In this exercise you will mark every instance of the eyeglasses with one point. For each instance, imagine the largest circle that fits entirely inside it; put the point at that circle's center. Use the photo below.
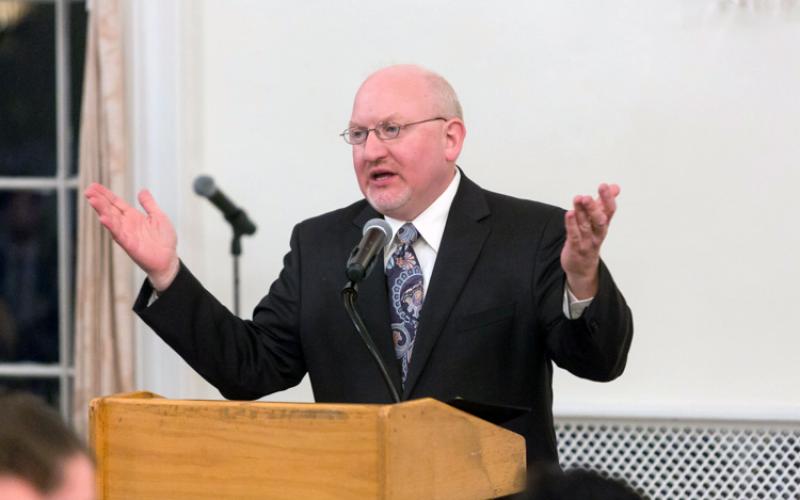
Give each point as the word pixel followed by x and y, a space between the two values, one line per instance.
pixel 383 130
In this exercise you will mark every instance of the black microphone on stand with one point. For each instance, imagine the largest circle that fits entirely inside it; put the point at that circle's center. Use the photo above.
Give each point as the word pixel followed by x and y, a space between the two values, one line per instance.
pixel 377 233
pixel 204 186
pixel 236 217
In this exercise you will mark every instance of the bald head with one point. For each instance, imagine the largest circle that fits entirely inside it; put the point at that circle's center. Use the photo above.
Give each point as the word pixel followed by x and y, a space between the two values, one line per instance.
pixel 438 93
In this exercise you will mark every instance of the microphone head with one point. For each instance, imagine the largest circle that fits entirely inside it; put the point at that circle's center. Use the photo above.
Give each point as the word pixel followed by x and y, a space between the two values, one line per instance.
pixel 383 226
pixel 204 186
pixel 362 258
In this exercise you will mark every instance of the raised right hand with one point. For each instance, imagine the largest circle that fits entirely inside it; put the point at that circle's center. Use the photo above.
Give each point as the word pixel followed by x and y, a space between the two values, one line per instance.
pixel 148 238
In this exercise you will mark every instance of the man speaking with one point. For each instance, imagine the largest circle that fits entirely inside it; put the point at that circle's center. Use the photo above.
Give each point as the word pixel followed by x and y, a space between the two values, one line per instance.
pixel 480 292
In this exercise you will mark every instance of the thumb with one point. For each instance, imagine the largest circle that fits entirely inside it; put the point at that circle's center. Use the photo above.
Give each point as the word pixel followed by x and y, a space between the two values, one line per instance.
pixel 147 202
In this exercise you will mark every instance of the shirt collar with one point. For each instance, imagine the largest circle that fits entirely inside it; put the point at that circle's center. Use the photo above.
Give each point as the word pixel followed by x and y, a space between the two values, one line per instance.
pixel 430 223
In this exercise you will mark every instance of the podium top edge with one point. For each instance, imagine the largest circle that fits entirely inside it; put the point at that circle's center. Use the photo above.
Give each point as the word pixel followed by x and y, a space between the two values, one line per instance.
pixel 146 397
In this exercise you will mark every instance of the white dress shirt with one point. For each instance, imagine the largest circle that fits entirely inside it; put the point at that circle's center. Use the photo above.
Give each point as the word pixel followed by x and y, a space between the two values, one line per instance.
pixel 430 226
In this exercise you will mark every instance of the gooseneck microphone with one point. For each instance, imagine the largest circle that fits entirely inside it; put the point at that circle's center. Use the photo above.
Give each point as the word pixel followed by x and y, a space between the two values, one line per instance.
pixel 204 186
pixel 377 233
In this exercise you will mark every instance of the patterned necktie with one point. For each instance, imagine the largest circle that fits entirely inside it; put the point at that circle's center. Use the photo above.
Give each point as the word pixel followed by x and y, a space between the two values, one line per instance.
pixel 406 292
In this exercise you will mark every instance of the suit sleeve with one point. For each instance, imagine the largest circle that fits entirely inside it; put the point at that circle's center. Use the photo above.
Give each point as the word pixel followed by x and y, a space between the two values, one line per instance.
pixel 594 346
pixel 244 359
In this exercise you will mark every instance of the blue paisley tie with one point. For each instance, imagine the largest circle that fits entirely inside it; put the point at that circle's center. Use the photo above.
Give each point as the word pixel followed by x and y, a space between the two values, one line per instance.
pixel 406 293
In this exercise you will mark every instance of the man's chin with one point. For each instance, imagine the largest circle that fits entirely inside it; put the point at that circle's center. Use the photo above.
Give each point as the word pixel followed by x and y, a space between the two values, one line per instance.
pixel 391 206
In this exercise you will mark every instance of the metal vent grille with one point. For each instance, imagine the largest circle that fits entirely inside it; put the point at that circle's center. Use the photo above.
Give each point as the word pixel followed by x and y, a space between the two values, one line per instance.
pixel 669 460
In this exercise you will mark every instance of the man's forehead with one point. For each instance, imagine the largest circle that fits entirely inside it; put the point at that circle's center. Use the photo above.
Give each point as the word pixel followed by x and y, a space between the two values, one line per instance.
pixel 391 117
pixel 391 99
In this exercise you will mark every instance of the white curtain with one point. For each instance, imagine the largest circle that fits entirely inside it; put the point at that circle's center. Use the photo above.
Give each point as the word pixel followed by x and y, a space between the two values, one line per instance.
pixel 104 335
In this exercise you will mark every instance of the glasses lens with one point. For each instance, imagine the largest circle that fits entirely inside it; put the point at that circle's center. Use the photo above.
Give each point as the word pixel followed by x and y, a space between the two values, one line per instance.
pixel 388 130
pixel 355 135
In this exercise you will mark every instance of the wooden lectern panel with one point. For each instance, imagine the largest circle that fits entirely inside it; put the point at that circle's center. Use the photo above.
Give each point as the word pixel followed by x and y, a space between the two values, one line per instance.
pixel 435 451
pixel 152 448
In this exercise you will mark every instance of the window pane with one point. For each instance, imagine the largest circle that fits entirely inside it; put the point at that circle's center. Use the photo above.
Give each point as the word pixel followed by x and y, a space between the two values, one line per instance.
pixel 45 388
pixel 28 276
pixel 77 48
pixel 27 89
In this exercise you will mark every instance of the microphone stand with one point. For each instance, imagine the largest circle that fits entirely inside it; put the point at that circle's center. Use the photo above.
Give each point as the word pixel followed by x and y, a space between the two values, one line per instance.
pixel 236 252
pixel 349 296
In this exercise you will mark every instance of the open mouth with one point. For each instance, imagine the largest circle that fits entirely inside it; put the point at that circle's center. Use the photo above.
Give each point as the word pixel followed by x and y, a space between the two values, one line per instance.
pixel 380 175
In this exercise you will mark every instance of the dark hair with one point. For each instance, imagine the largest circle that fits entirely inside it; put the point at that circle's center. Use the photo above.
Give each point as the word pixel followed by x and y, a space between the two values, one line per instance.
pixel 34 441
pixel 553 484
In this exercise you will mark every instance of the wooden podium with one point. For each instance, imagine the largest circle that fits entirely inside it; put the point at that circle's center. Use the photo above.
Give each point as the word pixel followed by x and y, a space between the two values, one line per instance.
pixel 152 448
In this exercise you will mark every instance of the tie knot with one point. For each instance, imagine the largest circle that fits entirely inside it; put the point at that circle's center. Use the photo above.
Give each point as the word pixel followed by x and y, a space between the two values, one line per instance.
pixel 407 234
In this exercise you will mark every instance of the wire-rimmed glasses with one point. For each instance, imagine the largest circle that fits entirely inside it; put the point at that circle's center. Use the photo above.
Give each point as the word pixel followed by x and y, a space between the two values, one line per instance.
pixel 383 130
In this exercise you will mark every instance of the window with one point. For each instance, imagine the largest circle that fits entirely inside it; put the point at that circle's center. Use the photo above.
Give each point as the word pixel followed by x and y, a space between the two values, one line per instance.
pixel 42 47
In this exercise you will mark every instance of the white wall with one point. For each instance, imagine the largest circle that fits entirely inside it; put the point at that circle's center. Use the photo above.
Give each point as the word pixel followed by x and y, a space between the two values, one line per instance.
pixel 691 106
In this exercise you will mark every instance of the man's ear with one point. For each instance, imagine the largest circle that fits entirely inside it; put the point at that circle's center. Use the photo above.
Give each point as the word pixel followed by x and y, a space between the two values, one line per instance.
pixel 455 132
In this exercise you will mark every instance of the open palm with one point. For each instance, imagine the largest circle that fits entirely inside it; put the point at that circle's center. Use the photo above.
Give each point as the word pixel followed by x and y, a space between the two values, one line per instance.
pixel 587 227
pixel 148 238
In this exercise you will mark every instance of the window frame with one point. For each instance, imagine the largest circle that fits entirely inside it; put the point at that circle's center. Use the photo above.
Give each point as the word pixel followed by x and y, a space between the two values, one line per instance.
pixel 65 185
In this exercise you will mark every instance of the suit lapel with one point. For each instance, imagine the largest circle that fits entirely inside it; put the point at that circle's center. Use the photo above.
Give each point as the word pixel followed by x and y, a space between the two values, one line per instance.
pixel 463 238
pixel 373 305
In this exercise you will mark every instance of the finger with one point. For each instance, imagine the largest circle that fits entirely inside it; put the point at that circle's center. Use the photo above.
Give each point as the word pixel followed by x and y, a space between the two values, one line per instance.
pixel 581 204
pixel 95 200
pixel 592 220
pixel 573 231
pixel 99 191
pixel 91 189
pixel 93 194
pixel 598 220
pixel 101 205
pixel 147 202
pixel 106 194
pixel 109 216
pixel 110 223
pixel 608 195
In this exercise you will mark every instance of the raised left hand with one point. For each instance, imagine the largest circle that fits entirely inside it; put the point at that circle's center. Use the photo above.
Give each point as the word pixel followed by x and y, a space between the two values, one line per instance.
pixel 587 226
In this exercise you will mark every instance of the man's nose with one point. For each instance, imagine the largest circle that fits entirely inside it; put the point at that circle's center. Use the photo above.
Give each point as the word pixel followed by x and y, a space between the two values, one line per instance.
pixel 374 148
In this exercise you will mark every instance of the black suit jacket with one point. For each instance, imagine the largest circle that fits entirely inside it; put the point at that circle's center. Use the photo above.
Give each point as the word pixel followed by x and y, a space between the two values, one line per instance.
pixel 490 328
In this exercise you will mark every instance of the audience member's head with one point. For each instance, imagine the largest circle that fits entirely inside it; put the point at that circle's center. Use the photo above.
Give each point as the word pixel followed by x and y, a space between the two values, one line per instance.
pixel 576 484
pixel 40 457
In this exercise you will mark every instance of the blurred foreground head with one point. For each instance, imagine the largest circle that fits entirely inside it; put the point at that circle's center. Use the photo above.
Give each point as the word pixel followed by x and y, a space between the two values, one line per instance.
pixel 577 484
pixel 40 457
